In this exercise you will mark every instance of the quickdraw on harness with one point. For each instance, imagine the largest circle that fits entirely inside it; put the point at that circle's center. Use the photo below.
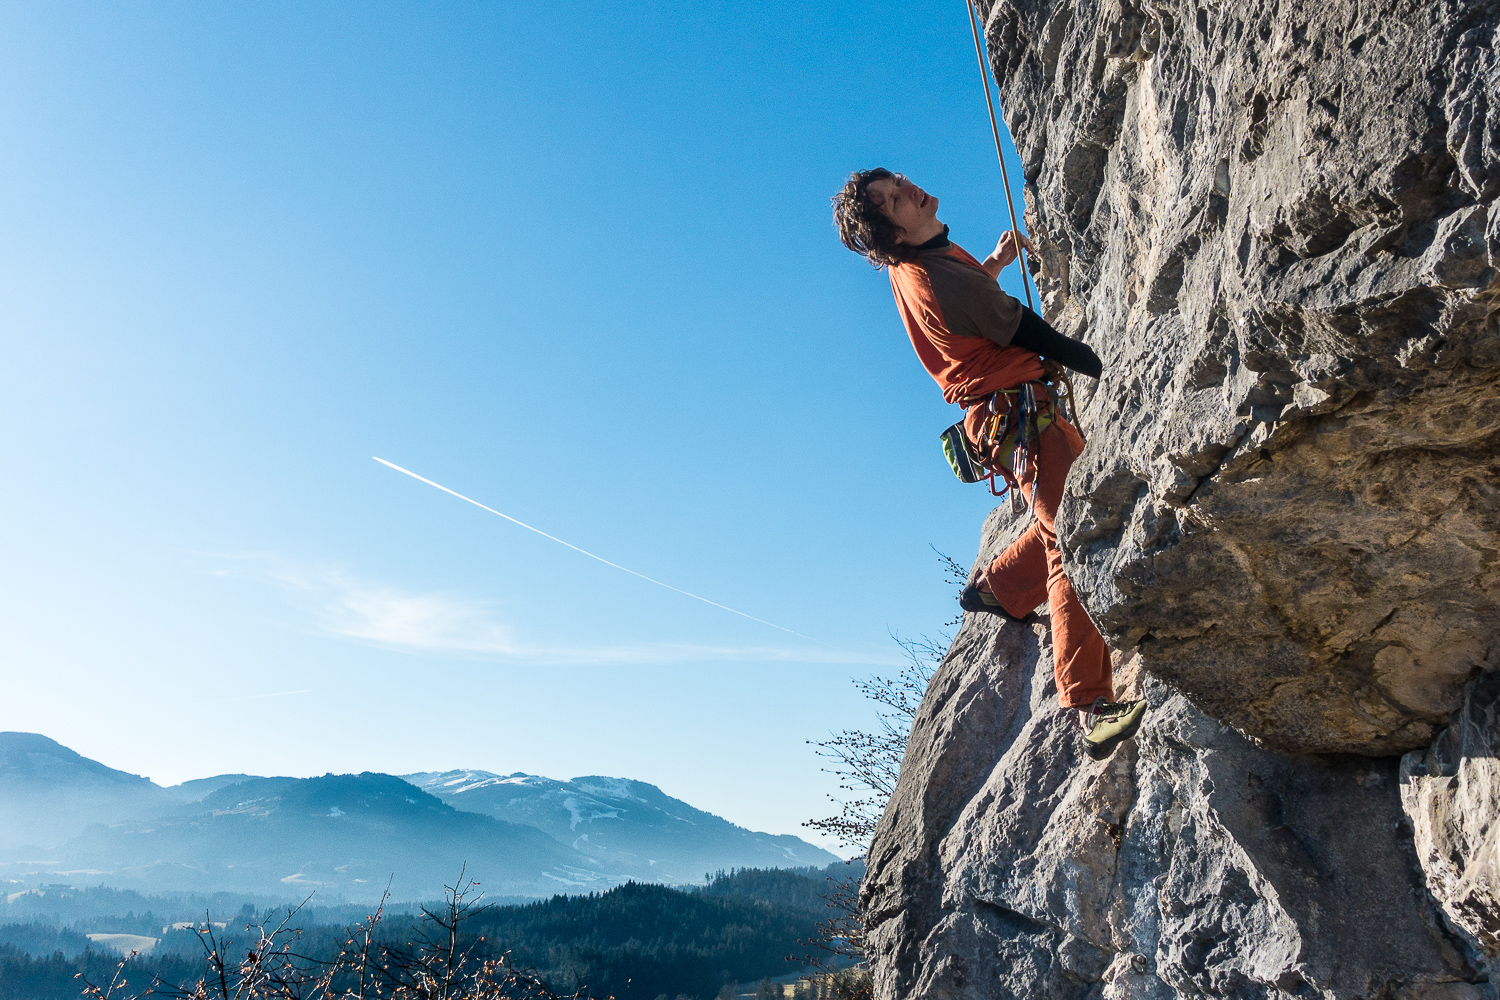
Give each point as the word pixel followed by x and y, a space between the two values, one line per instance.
pixel 1008 435
pixel 1060 389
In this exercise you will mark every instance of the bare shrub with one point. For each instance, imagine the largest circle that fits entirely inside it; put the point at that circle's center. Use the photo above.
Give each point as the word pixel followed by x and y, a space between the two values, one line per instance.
pixel 438 964
pixel 867 764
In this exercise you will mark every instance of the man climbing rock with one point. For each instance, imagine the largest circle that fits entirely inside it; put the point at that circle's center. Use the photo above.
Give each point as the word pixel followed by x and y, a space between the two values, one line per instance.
pixel 986 351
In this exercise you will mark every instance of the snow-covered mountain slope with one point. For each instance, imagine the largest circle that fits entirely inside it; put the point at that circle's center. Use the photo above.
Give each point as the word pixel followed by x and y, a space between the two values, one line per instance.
pixel 344 836
pixel 67 819
pixel 627 826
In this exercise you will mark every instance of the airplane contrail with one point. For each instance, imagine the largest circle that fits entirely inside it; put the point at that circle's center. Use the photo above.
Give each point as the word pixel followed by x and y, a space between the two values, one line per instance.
pixel 605 561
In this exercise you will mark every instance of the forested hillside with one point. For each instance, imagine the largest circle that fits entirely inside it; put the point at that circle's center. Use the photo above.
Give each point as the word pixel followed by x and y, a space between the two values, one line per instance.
pixel 796 887
pixel 634 942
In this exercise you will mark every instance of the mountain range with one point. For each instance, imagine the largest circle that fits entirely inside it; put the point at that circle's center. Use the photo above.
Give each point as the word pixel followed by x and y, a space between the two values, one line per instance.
pixel 625 826
pixel 66 818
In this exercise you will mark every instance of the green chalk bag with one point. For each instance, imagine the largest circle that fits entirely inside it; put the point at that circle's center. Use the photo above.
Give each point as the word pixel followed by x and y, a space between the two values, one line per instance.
pixel 960 455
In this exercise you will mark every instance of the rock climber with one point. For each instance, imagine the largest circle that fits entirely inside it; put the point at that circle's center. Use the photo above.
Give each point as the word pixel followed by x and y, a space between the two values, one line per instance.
pixel 986 351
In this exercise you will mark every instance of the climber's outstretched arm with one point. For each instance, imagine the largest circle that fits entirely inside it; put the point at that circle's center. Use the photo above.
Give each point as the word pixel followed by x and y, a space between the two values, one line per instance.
pixel 1036 334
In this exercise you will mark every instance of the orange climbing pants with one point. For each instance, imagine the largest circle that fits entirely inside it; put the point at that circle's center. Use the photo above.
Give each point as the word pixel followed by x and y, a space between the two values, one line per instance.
pixel 1031 571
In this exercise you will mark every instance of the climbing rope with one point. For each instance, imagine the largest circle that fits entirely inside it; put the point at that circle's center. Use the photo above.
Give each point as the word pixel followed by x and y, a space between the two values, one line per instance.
pixel 1057 377
pixel 984 79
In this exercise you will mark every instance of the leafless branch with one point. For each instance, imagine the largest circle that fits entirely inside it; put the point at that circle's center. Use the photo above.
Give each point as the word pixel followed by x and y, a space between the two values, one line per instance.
pixel 440 963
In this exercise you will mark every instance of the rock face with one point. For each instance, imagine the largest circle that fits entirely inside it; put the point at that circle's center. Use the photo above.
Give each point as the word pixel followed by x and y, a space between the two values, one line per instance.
pixel 1192 863
pixel 1276 225
pixel 1451 792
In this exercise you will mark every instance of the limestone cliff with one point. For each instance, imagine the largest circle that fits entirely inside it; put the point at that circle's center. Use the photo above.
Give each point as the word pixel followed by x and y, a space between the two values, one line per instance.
pixel 1276 224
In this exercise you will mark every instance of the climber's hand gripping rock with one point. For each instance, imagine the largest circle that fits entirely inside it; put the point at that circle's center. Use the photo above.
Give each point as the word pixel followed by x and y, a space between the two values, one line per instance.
pixel 1005 252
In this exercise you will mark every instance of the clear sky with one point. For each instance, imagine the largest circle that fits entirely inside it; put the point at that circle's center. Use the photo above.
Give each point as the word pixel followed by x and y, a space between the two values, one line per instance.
pixel 574 262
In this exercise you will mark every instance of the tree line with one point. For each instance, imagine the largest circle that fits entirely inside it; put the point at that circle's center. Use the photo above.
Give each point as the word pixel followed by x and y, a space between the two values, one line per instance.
pixel 633 942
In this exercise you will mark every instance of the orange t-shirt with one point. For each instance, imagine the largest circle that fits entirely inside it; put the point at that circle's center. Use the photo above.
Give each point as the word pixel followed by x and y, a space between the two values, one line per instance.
pixel 961 323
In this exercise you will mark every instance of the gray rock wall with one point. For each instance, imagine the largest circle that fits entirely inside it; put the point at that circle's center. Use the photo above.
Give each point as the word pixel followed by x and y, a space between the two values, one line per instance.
pixel 1192 863
pixel 1451 793
pixel 1276 224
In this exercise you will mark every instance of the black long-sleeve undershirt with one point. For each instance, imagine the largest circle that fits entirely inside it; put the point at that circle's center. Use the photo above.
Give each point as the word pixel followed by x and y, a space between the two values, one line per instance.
pixel 1036 334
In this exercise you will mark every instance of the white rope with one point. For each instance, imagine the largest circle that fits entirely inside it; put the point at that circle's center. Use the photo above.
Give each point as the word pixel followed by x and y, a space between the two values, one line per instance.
pixel 984 79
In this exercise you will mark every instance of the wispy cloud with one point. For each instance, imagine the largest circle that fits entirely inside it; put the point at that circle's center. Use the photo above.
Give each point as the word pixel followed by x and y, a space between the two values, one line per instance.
pixel 340 604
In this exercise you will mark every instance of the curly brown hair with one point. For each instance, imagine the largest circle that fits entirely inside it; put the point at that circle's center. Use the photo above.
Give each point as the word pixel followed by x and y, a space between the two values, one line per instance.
pixel 862 226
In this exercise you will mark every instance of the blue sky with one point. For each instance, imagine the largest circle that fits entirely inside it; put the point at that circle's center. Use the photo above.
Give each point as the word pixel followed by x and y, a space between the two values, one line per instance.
pixel 579 268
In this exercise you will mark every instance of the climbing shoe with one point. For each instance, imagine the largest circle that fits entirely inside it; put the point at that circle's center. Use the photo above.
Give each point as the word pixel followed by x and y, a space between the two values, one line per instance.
pixel 974 599
pixel 1109 724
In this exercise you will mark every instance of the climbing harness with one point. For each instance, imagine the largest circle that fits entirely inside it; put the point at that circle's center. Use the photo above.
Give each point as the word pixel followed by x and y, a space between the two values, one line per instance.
pixel 984 79
pixel 1008 435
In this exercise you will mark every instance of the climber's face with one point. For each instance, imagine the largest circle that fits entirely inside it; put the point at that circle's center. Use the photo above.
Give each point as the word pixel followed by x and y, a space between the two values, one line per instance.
pixel 905 204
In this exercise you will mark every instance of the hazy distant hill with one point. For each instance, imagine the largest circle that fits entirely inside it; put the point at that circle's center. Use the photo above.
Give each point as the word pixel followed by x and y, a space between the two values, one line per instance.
pixel 68 820
pixel 48 793
pixel 628 826
pixel 344 835
pixel 198 789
